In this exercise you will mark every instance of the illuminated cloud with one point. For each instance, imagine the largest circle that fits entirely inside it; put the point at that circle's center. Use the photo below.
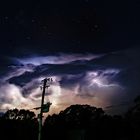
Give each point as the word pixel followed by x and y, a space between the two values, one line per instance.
pixel 99 80
pixel 11 97
pixel 56 59
pixel 16 71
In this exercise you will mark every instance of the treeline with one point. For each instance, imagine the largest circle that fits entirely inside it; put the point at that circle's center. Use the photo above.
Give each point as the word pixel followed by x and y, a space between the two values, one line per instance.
pixel 77 122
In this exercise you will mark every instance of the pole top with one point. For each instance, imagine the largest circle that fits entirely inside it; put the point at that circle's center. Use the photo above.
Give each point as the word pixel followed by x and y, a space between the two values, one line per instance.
pixel 49 79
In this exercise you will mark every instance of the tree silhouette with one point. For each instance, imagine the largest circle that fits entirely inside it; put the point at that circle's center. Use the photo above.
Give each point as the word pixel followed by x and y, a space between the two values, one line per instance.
pixel 133 116
pixel 77 122
pixel 85 122
pixel 19 124
pixel 22 114
pixel 72 123
pixel 75 116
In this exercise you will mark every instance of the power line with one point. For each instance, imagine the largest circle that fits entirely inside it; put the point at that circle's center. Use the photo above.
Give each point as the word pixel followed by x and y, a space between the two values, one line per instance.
pixel 118 105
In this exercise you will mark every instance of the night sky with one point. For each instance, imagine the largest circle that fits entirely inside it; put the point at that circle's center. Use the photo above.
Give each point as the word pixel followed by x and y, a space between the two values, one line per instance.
pixel 89 47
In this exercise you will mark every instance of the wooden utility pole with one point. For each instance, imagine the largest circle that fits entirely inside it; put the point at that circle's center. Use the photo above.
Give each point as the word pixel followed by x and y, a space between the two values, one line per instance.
pixel 46 84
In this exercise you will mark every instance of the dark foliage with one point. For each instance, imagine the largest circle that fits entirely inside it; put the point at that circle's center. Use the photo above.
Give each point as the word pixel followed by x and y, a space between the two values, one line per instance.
pixel 77 122
pixel 18 125
pixel 83 122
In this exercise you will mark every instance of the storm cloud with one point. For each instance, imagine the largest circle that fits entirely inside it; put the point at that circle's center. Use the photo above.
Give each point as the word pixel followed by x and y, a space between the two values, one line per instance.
pixel 100 80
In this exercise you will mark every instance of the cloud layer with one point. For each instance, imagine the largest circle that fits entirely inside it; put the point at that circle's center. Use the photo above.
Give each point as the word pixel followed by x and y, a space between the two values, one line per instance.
pixel 99 80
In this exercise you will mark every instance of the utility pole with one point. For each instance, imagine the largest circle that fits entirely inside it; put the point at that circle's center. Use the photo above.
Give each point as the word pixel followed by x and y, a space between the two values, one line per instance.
pixel 44 107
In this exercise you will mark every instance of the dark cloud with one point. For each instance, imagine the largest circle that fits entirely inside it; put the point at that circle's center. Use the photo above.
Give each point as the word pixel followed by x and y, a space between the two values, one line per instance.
pixel 125 61
pixel 104 80
pixel 54 69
